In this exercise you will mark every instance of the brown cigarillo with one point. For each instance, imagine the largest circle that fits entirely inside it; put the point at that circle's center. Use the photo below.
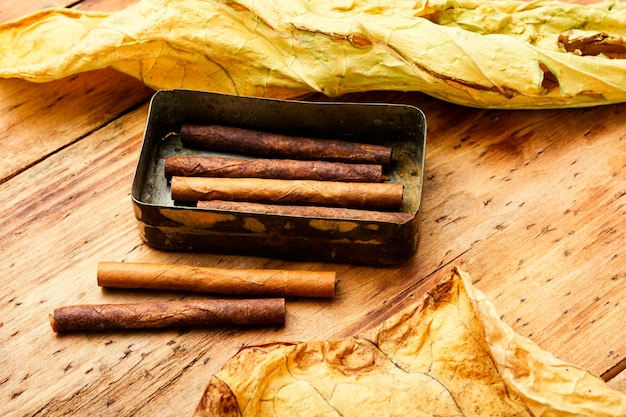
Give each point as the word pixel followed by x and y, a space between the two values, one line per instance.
pixel 155 315
pixel 254 142
pixel 384 196
pixel 256 282
pixel 308 211
pixel 215 166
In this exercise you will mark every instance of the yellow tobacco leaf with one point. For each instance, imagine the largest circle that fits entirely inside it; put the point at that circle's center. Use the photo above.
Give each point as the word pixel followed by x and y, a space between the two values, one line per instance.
pixel 449 355
pixel 482 53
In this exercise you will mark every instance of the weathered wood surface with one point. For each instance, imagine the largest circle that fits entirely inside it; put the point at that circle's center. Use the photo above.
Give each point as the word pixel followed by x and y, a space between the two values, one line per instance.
pixel 531 203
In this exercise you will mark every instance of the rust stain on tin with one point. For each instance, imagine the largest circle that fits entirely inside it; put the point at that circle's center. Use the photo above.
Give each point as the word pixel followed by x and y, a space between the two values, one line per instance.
pixel 253 225
pixel 197 218
pixel 327 225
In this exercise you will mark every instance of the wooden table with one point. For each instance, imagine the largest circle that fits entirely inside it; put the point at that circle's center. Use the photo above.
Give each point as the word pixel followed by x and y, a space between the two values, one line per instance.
pixel 531 203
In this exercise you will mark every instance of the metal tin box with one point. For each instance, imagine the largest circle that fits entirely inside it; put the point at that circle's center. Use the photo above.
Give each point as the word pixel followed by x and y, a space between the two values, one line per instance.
pixel 166 225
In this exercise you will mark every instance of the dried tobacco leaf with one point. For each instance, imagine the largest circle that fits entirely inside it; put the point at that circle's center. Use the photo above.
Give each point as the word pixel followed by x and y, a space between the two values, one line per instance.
pixel 450 355
pixel 481 53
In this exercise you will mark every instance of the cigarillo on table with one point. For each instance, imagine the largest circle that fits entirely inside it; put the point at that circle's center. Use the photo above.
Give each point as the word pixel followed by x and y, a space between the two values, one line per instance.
pixel 155 315
pixel 383 196
pixel 252 142
pixel 253 282
pixel 289 169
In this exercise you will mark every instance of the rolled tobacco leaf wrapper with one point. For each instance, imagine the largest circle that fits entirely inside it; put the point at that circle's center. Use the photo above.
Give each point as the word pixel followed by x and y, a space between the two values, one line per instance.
pixel 254 142
pixel 385 196
pixel 256 282
pixel 154 315
pixel 215 166
pixel 308 211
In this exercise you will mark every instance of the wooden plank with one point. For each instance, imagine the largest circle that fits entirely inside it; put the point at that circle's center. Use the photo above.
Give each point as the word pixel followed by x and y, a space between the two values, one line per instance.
pixel 103 5
pixel 531 203
pixel 16 9
pixel 33 107
pixel 549 185
pixel 39 119
pixel 73 209
pixel 11 10
pixel 64 215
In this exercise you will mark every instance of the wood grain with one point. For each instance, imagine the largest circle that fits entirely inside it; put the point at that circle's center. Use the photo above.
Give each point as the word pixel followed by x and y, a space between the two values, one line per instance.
pixel 107 93
pixel 16 9
pixel 530 203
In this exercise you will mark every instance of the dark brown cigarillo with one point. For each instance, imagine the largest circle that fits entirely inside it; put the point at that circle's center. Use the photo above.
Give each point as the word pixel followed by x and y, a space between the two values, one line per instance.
pixel 290 169
pixel 155 315
pixel 384 196
pixel 308 211
pixel 254 282
pixel 252 142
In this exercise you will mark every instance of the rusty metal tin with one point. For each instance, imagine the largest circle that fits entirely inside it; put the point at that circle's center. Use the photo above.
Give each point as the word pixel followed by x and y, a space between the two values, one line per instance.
pixel 168 226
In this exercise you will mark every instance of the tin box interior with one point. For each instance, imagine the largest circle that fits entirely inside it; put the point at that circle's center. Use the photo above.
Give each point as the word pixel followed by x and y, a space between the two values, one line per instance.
pixel 169 226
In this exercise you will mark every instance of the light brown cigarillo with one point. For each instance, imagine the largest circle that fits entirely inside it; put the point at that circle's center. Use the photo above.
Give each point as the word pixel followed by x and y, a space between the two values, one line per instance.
pixel 308 211
pixel 216 166
pixel 385 196
pixel 254 282
pixel 254 142
pixel 154 315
